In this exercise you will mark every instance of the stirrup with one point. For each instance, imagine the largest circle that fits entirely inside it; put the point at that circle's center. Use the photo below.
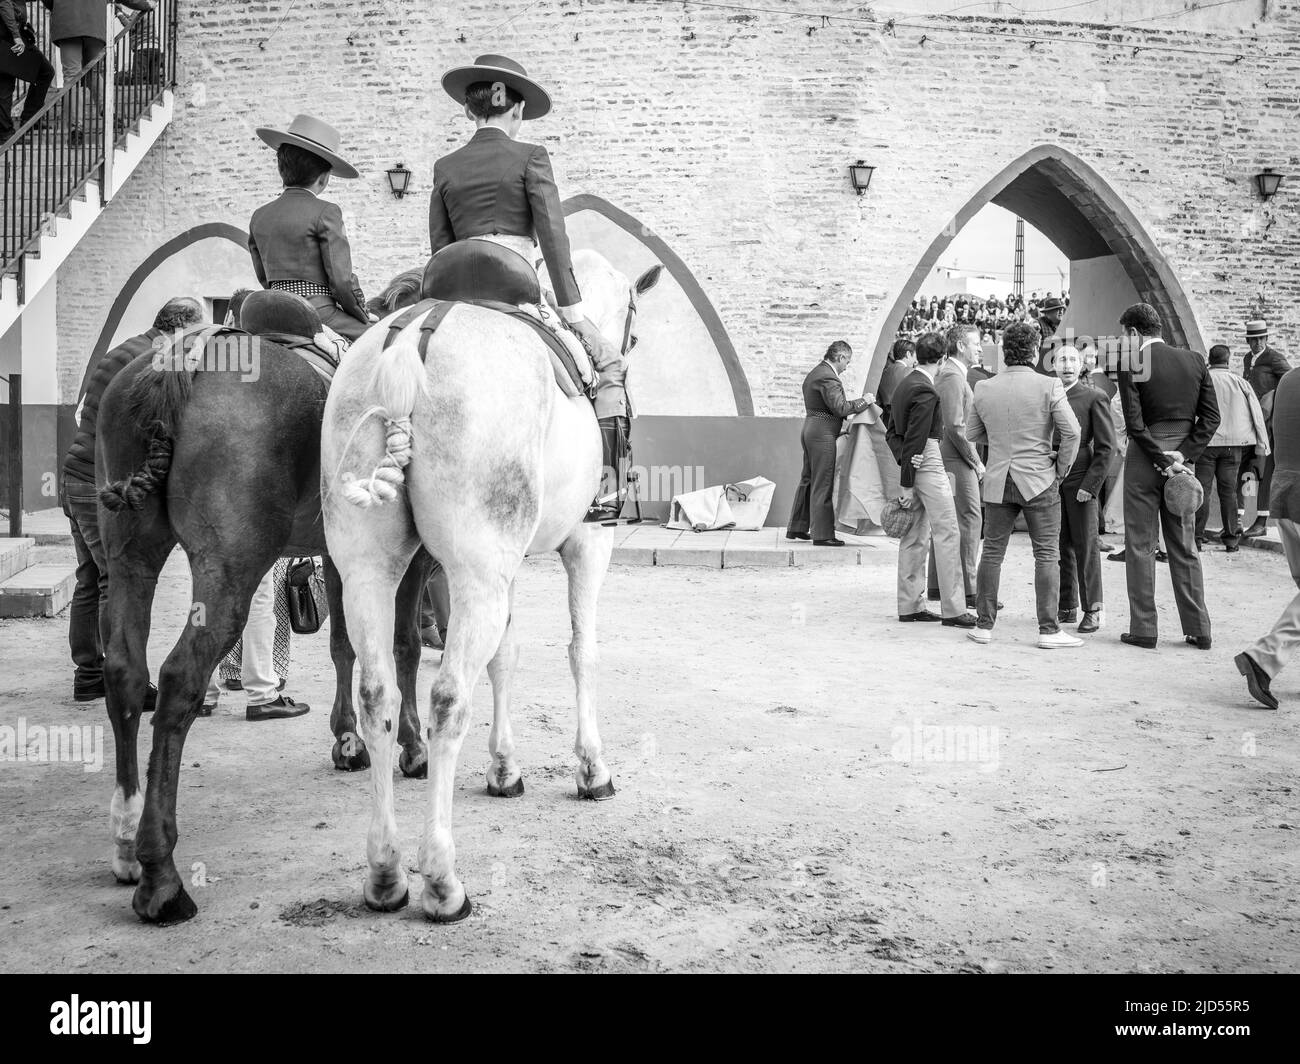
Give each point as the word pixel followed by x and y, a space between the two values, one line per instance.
pixel 611 515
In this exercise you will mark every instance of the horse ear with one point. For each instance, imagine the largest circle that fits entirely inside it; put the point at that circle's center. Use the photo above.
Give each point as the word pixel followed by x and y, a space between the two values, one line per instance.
pixel 648 279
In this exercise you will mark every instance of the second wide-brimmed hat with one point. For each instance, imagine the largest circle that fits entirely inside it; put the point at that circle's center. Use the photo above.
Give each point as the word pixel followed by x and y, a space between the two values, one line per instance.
pixel 493 68
pixel 313 135
pixel 1051 303
pixel 1256 329
pixel 1183 494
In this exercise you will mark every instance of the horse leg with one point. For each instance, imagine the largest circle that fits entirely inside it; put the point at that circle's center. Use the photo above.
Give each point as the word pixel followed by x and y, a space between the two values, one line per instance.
pixel 224 583
pixel 133 579
pixel 586 556
pixel 504 779
pixel 414 758
pixel 479 609
pixel 349 753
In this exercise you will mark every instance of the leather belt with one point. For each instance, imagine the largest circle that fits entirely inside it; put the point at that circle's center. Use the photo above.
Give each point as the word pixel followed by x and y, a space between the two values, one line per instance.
pixel 1170 428
pixel 824 414
pixel 306 289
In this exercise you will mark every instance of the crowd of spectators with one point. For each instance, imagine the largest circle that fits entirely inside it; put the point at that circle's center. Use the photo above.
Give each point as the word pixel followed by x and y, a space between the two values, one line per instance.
pixel 992 316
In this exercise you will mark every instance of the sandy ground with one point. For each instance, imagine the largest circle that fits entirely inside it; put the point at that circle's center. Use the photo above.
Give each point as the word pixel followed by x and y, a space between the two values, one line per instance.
pixel 1127 810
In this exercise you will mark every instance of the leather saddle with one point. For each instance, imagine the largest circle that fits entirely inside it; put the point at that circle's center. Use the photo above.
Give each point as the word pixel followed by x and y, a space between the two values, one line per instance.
pixel 484 274
pixel 292 322
pixel 479 269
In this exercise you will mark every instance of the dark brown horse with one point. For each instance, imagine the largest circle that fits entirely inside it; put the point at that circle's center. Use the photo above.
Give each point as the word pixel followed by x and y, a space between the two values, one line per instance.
pixel 218 451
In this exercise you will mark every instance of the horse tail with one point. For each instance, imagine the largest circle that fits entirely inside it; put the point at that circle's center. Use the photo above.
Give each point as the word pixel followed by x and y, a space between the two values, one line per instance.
pixel 397 381
pixel 156 398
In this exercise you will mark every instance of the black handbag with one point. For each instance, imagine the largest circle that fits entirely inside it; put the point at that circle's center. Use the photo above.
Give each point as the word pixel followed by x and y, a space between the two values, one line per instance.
pixel 304 591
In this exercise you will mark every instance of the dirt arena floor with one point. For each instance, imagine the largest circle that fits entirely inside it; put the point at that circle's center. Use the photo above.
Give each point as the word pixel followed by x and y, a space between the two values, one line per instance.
pixel 780 805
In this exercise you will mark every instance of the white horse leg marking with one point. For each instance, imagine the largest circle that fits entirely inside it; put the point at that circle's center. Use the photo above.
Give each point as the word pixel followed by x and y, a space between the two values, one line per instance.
pixel 479 607
pixel 368 605
pixel 586 558
pixel 504 778
pixel 125 816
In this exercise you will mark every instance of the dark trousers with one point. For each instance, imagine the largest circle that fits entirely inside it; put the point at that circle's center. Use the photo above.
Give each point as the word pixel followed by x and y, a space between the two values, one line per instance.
pixel 1107 487
pixel 337 318
pixel 435 602
pixel 31 67
pixel 1263 470
pixel 812 509
pixel 616 455
pixel 89 611
pixel 1043 517
pixel 1219 465
pixel 1144 513
pixel 1080 557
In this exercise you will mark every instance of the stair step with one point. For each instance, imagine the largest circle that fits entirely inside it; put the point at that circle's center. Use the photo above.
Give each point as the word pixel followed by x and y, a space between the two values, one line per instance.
pixel 38 591
pixel 15 556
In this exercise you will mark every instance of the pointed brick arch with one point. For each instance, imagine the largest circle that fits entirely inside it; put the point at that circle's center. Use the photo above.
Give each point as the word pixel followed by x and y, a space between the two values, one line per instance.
pixel 1073 206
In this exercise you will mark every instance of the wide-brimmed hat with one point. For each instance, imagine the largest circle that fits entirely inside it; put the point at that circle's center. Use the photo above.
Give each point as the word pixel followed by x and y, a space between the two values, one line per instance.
pixel 313 135
pixel 896 519
pixel 1051 303
pixel 537 101
pixel 1183 494
pixel 1256 329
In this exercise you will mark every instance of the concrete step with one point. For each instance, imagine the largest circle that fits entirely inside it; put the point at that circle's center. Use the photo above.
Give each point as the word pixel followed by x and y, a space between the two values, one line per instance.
pixel 15 556
pixel 38 591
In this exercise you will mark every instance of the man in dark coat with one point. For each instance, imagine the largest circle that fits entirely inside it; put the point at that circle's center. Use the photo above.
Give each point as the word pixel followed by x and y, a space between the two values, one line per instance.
pixel 1263 368
pixel 1171 413
pixel 80 502
pixel 825 409
pixel 20 60
pixel 1080 495
pixel 1261 663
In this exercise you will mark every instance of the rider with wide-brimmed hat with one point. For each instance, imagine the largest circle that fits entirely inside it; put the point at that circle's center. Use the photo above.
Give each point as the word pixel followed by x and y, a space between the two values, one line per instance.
pixel 502 189
pixel 297 241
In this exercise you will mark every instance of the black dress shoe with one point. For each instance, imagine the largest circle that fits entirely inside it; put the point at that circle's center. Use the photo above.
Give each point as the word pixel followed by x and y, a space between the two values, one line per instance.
pixel 234 684
pixel 797 535
pixel 1257 528
pixel 1146 642
pixel 966 620
pixel 828 543
pixel 1116 555
pixel 282 707
pixel 1231 548
pixel 1161 556
pixel 206 709
pixel 1200 642
pixel 1091 622
pixel 89 692
pixel 924 615
pixel 1067 616
pixel 1256 679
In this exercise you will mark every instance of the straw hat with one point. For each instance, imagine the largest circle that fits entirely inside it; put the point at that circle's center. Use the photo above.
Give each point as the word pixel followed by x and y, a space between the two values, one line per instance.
pixel 537 101
pixel 313 135
pixel 896 519
pixel 1257 329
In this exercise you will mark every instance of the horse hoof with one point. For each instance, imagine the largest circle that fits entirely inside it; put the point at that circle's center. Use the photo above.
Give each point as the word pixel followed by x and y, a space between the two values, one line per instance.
pixel 602 793
pixel 510 790
pixel 382 902
pixel 163 906
pixel 351 756
pixel 436 917
pixel 126 872
pixel 419 772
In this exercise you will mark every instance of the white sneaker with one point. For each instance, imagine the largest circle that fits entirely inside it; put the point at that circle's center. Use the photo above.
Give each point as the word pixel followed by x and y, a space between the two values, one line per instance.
pixel 1058 641
pixel 983 636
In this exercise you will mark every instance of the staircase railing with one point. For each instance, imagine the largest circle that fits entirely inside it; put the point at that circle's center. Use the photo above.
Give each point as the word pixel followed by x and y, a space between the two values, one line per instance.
pixel 66 144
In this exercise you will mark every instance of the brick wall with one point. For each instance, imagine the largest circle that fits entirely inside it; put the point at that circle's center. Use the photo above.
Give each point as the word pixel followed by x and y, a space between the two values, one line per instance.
pixel 729 134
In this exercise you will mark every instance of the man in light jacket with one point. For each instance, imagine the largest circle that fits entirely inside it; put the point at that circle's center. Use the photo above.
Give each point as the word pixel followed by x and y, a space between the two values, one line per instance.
pixel 1017 412
pixel 1241 425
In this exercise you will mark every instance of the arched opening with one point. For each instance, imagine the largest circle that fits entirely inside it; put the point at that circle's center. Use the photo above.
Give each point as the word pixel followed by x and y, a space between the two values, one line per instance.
pixel 1109 251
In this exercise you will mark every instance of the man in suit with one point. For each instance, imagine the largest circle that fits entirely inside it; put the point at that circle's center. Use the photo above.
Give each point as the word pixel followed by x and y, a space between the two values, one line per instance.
pixel 1080 492
pixel 297 241
pixel 1241 425
pixel 915 429
pixel 960 458
pixel 1050 313
pixel 1019 412
pixel 1171 413
pixel 900 362
pixel 1263 368
pixel 825 409
pixel 1261 663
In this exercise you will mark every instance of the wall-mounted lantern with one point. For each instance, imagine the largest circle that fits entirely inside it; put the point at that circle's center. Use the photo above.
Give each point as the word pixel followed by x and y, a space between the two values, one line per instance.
pixel 399 177
pixel 1268 182
pixel 860 176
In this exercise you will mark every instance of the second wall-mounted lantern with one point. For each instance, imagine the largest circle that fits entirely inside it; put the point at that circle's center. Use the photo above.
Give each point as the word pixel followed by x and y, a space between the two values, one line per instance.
pixel 399 178
pixel 860 175
pixel 1268 182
